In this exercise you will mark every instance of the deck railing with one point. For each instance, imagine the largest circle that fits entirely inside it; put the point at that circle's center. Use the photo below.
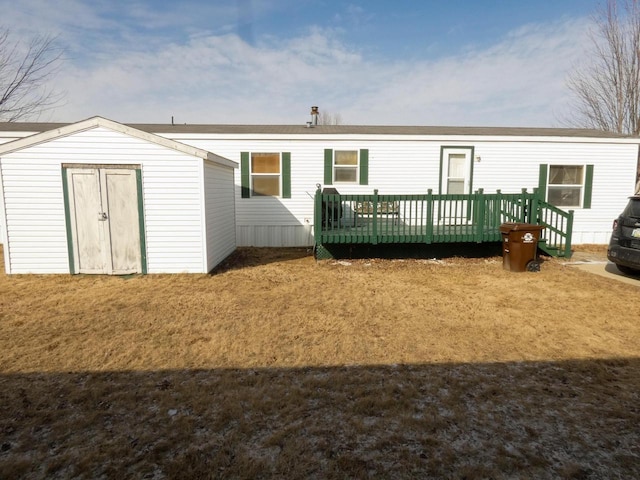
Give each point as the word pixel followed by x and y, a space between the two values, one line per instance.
pixel 434 218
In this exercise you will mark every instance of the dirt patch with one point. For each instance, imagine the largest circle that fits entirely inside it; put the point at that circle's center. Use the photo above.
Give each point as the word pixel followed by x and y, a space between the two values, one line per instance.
pixel 281 366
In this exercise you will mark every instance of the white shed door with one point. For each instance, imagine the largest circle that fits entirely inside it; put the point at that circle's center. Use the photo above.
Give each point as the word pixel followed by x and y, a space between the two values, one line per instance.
pixel 103 206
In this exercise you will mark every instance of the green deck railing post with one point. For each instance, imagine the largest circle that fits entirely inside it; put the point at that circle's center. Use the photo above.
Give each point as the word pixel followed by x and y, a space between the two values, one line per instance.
pixel 479 216
pixel 569 233
pixel 428 238
pixel 374 225
pixel 499 212
pixel 317 220
pixel 523 206
pixel 535 207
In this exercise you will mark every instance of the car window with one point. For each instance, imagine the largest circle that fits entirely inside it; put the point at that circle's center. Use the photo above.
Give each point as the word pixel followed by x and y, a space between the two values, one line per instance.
pixel 633 209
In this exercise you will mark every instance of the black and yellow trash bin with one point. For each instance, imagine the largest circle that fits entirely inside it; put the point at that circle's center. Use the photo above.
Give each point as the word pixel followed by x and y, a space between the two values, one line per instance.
pixel 520 246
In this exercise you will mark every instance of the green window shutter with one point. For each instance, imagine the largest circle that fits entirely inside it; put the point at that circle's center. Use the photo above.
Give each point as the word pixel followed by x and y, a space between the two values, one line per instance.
pixel 245 180
pixel 588 187
pixel 364 166
pixel 328 166
pixel 286 174
pixel 542 181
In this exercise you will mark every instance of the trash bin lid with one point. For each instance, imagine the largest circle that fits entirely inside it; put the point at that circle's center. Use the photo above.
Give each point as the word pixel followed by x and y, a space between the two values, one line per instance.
pixel 513 227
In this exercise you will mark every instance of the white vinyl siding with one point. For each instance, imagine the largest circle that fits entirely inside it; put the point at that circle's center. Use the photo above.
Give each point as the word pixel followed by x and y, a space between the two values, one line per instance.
pixel 278 222
pixel 220 213
pixel 3 216
pixel 36 236
pixel 613 180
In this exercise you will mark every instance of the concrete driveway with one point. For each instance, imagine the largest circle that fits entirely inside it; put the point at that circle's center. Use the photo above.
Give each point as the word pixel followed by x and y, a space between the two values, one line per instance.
pixel 604 268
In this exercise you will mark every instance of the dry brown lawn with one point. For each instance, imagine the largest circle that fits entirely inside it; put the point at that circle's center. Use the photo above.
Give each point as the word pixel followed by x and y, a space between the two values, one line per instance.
pixel 278 366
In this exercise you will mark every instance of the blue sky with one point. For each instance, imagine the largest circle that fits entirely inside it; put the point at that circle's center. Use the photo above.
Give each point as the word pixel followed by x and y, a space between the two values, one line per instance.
pixel 426 62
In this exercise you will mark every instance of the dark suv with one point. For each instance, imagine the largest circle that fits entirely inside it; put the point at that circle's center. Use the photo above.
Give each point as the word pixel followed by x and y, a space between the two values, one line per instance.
pixel 624 247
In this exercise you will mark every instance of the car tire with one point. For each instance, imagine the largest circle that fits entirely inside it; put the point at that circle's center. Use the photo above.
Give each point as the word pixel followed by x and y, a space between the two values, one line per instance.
pixel 628 270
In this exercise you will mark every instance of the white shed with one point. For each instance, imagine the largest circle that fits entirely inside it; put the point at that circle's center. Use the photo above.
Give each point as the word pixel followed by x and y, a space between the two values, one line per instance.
pixel 100 197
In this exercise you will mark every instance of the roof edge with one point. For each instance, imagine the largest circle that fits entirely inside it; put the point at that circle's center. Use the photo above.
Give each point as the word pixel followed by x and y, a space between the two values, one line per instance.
pixel 98 121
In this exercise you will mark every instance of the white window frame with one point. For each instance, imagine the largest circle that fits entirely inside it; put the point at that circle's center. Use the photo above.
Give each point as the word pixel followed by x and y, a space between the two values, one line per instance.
pixel 558 186
pixel 345 167
pixel 253 174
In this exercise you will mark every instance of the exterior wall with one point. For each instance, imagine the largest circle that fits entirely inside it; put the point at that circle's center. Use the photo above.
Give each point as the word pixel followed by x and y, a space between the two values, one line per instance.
pixel 3 217
pixel 516 165
pixel 411 164
pixel 36 239
pixel 220 213
pixel 4 138
pixel 270 221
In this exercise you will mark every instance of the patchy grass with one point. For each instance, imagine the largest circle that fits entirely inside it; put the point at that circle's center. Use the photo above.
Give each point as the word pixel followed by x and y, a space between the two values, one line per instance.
pixel 278 366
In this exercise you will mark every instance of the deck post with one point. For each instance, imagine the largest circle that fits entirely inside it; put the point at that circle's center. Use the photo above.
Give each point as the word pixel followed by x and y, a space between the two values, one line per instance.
pixel 479 215
pixel 317 218
pixel 567 242
pixel 429 227
pixel 523 206
pixel 375 217
pixel 534 216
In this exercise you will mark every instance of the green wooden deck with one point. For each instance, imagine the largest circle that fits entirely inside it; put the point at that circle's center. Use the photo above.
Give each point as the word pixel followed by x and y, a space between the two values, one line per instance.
pixel 405 233
pixel 427 219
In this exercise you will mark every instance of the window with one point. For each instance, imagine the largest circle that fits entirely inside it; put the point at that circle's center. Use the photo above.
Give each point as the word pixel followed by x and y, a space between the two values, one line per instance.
pixel 265 174
pixel 456 169
pixel 346 166
pixel 565 185
pixel 457 173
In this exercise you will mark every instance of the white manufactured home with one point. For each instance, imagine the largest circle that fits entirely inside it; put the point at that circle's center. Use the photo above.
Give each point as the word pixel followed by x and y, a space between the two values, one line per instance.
pixel 99 197
pixel 587 171
pixel 281 167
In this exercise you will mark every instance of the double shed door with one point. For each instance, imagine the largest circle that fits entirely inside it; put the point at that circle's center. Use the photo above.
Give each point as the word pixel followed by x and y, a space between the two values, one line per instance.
pixel 104 219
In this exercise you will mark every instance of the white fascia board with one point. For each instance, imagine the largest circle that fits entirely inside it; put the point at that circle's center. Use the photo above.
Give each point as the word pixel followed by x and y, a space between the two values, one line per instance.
pixel 204 240
pixel 3 226
pixel 400 138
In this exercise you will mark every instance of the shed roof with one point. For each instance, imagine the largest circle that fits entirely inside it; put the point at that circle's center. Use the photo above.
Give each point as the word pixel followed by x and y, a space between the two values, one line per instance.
pixel 160 128
pixel 57 130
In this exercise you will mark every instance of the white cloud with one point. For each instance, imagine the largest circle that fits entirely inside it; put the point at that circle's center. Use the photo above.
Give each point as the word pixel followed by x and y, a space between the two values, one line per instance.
pixel 207 76
pixel 520 81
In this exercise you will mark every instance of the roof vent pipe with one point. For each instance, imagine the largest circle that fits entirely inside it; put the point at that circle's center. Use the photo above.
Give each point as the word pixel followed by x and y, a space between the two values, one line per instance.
pixel 314 115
